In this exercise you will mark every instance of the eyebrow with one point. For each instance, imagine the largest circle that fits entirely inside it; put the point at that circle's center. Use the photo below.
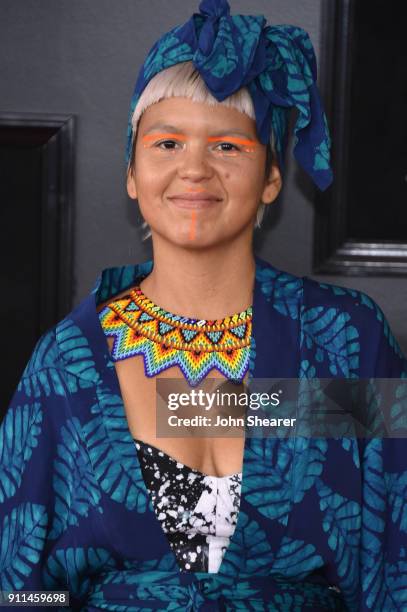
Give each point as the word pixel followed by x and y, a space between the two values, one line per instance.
pixel 165 127
pixel 164 135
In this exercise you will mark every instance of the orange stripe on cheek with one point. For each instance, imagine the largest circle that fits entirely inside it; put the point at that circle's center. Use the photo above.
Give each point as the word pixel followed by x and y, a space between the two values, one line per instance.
pixel 192 226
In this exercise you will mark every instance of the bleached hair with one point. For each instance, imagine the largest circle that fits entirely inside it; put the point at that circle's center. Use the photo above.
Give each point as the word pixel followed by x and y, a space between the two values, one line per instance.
pixel 183 80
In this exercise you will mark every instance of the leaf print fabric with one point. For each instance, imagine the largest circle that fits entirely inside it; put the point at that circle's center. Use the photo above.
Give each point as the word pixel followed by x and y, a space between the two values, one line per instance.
pixel 23 534
pixel 322 523
pixel 18 437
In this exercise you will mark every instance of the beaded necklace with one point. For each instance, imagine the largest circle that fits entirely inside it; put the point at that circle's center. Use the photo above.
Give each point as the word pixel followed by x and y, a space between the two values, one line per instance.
pixel 140 327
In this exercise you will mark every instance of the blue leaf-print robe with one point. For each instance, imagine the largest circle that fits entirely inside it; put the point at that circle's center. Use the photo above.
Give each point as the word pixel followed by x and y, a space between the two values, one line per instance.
pixel 75 514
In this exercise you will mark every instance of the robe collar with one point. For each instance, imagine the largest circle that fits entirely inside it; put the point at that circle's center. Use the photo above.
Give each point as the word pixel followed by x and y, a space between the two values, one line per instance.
pixel 277 300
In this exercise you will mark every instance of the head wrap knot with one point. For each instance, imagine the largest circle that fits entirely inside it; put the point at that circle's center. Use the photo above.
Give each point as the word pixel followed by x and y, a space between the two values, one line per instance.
pixel 276 63
pixel 214 8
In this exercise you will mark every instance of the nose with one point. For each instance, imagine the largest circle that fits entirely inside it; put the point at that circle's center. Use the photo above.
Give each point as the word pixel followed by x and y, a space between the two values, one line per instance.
pixel 195 164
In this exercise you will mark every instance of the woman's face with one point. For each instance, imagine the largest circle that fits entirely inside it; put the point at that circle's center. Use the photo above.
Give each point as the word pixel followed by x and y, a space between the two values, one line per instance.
pixel 199 172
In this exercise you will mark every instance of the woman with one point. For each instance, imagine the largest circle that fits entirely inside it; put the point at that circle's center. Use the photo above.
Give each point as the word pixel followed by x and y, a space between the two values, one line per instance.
pixel 93 501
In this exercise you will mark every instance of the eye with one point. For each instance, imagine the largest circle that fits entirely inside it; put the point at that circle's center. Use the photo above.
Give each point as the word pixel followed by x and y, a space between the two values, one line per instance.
pixel 161 144
pixel 229 147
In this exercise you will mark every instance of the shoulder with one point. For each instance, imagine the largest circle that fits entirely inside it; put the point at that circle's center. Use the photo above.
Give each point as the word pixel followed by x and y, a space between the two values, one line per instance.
pixel 332 311
pixel 336 296
pixel 345 323
pixel 45 354
pixel 44 374
pixel 354 305
pixel 275 283
pixel 69 354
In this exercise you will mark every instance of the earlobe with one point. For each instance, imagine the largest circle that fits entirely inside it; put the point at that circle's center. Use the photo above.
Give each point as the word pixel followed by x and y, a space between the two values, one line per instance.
pixel 273 185
pixel 131 185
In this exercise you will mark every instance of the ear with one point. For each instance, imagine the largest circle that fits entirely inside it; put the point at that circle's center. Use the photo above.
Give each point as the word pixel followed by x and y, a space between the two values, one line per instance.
pixel 273 184
pixel 131 184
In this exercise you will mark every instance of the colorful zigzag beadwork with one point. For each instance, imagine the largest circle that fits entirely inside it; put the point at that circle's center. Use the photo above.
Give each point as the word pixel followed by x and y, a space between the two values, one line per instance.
pixel 140 327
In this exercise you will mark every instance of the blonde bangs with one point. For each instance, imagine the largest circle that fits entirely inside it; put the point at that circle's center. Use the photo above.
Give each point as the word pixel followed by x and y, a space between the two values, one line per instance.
pixel 184 81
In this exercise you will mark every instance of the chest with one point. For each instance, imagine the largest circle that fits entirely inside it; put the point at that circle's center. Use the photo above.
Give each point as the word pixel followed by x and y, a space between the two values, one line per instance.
pixel 215 454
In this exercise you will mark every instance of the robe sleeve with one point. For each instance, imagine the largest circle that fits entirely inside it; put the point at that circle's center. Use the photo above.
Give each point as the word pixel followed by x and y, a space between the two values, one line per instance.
pixel 383 551
pixel 28 447
pixel 346 335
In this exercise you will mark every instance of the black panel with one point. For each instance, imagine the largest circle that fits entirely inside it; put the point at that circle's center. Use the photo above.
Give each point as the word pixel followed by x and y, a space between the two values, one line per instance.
pixel 378 142
pixel 361 220
pixel 20 253
pixel 36 235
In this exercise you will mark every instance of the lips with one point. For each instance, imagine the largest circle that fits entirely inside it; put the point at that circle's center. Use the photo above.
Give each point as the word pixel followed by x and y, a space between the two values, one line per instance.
pixel 199 196
pixel 199 200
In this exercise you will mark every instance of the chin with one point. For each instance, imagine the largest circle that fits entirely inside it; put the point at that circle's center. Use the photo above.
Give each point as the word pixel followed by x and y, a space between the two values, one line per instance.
pixel 187 240
pixel 191 244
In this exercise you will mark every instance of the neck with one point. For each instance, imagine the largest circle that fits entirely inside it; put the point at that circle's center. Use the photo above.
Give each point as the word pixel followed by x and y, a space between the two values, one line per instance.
pixel 208 283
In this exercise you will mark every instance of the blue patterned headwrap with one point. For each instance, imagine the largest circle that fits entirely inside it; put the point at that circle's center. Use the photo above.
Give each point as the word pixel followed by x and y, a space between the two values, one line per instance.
pixel 276 63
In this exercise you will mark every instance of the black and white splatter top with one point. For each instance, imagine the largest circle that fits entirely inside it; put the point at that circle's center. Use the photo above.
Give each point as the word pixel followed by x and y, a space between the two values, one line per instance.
pixel 198 512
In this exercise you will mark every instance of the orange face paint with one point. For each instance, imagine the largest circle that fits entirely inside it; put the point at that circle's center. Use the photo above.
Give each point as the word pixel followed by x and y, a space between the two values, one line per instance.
pixel 192 226
pixel 148 137
pixel 244 142
pixel 233 139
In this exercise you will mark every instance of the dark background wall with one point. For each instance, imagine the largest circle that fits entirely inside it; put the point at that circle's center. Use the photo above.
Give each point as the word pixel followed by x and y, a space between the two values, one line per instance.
pixel 81 57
